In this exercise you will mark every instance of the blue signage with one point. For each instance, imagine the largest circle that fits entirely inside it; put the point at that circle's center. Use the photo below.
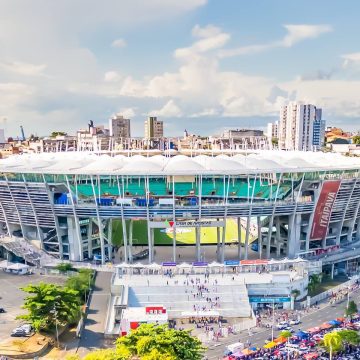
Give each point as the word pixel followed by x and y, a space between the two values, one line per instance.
pixel 269 300
pixel 168 264
pixel 231 262
pixel 200 263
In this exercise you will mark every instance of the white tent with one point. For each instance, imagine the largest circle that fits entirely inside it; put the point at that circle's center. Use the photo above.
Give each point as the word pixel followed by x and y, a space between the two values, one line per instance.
pixel 154 266
pixel 184 265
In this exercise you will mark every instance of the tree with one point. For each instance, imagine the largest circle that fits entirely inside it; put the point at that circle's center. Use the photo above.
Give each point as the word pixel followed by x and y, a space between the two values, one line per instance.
pixel 351 309
pixel 57 133
pixel 356 139
pixel 64 267
pixel 48 304
pixel 314 281
pixel 286 334
pixel 332 343
pixel 295 293
pixel 350 337
pixel 81 282
pixel 158 342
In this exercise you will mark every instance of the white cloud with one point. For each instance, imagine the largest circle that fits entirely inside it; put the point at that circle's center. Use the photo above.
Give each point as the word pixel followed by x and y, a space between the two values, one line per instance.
pixel 23 68
pixel 112 76
pixel 206 112
pixel 295 34
pixel 118 43
pixel 206 31
pixel 170 109
pixel 211 37
pixel 59 39
pixel 351 59
pixel 127 113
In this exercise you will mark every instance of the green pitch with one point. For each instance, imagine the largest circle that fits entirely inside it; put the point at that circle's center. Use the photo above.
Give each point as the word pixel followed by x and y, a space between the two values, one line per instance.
pixel 185 236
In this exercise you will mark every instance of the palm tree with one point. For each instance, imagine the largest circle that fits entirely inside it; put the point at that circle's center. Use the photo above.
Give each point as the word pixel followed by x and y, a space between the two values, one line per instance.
pixel 332 343
pixel 314 281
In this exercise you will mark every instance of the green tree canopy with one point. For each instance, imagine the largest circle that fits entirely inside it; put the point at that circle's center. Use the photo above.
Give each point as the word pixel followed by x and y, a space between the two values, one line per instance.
pixel 58 133
pixel 349 337
pixel 351 309
pixel 48 303
pixel 286 334
pixel 158 342
pixel 356 139
pixel 81 282
pixel 332 342
pixel 295 293
pixel 314 281
pixel 64 267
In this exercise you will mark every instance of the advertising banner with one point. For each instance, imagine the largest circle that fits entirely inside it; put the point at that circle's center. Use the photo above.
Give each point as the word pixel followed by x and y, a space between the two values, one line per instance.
pixel 323 209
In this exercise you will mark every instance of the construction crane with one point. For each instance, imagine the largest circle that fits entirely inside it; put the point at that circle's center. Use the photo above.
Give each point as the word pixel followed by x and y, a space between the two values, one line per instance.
pixel 22 133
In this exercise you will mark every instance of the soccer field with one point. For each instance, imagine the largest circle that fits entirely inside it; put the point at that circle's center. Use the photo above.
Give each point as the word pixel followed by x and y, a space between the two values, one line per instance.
pixel 183 235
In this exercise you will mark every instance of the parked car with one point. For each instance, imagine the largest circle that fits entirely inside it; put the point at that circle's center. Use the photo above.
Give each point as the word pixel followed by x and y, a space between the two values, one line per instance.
pixel 282 325
pixel 22 330
pixel 141 255
pixel 2 310
pixel 17 233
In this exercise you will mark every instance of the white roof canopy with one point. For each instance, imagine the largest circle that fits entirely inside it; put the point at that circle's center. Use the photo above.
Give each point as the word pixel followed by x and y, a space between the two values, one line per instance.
pixel 259 162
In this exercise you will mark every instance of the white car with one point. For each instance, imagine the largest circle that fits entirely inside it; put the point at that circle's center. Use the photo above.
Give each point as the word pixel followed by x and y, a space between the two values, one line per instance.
pixel 294 322
pixel 282 325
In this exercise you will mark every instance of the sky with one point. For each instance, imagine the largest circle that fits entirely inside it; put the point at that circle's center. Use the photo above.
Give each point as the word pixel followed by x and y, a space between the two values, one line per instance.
pixel 200 65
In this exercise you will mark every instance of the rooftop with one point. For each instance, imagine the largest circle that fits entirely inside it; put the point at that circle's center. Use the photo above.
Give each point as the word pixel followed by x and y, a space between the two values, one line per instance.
pixel 257 162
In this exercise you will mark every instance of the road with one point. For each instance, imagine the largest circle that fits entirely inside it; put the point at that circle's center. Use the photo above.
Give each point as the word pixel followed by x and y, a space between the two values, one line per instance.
pixel 326 313
pixel 92 337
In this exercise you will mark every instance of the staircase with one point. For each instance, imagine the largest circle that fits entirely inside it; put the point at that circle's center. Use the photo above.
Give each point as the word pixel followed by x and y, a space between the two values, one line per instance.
pixel 24 249
pixel 233 299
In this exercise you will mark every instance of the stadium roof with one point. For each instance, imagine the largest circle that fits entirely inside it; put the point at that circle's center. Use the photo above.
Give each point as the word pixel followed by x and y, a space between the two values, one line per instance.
pixel 259 162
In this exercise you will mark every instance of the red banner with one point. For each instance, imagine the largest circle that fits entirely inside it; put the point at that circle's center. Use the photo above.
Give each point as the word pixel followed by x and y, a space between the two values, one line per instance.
pixel 323 209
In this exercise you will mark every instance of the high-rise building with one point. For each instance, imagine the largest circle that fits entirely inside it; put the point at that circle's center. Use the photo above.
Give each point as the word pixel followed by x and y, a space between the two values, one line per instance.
pixel 119 127
pixel 301 127
pixel 154 128
pixel 273 130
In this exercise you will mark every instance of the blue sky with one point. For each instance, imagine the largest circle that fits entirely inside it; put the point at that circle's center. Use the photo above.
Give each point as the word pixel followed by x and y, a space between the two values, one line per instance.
pixel 203 65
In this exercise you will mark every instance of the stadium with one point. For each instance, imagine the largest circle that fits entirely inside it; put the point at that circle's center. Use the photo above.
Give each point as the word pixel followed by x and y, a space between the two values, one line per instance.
pixel 158 208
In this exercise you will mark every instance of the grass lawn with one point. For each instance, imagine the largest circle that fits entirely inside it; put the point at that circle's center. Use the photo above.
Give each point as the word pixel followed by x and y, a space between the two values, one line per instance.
pixel 183 236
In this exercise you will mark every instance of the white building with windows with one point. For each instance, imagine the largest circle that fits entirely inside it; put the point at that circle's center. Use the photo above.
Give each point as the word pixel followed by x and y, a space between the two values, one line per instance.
pixel 301 127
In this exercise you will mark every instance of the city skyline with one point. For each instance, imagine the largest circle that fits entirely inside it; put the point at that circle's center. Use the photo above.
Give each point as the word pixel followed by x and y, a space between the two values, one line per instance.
pixel 195 64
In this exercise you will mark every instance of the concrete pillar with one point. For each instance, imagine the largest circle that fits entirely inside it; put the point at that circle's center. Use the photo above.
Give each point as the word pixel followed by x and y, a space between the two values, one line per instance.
pixel 248 222
pixel 151 246
pixel 218 245
pixel 259 236
pixel 332 271
pixel 198 245
pixel 239 236
pixel 130 241
pixel 293 241
pixel 174 243
pixel 90 248
pixel 223 238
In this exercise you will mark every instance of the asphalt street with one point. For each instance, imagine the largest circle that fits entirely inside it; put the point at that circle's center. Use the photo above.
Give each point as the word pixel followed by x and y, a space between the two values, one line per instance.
pixel 326 313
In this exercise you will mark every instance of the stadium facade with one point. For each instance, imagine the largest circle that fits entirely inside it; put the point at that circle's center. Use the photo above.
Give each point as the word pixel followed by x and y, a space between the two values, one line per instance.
pixel 68 202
